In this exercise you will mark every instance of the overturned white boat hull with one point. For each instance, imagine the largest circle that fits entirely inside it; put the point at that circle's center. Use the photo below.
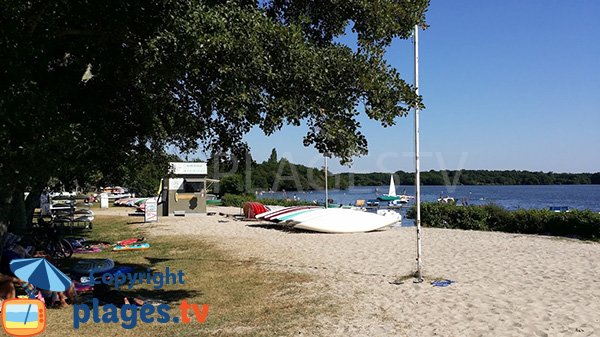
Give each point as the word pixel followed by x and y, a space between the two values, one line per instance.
pixel 341 221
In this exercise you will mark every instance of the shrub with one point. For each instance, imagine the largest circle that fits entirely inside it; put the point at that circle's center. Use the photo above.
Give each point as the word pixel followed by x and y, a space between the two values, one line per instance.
pixel 498 218
pixel 284 202
pixel 232 184
pixel 239 200
pixel 236 200
pixel 581 224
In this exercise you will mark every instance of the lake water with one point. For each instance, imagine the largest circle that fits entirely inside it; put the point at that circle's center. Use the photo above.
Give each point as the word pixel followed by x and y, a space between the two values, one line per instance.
pixel 510 197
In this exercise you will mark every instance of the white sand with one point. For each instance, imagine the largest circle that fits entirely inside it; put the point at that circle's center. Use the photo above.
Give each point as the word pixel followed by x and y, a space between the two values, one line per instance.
pixel 506 284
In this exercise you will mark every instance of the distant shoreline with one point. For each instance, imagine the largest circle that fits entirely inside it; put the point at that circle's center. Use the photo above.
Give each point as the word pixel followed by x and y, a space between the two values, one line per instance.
pixel 471 177
pixel 381 187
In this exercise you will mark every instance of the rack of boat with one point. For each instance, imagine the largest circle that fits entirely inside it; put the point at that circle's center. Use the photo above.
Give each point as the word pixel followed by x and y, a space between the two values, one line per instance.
pixel 66 212
pixel 330 220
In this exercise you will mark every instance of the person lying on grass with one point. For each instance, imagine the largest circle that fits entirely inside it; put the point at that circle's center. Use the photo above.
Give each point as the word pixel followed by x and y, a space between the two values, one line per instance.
pixel 7 287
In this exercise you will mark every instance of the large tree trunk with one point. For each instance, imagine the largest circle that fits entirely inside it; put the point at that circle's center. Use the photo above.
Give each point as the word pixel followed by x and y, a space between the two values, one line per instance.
pixel 18 218
pixel 3 231
pixel 31 203
pixel 4 217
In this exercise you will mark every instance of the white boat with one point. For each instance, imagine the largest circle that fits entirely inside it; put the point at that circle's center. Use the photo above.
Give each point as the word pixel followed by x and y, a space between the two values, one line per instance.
pixel 299 217
pixel 63 194
pixel 390 213
pixel 272 209
pixel 402 199
pixel 290 215
pixel 273 213
pixel 336 220
pixel 116 196
pixel 446 200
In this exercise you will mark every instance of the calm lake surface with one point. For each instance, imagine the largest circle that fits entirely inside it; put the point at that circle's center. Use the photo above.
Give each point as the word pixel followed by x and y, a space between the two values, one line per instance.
pixel 510 197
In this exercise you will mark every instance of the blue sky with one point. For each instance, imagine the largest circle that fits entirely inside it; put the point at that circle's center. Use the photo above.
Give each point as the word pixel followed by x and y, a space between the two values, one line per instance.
pixel 507 85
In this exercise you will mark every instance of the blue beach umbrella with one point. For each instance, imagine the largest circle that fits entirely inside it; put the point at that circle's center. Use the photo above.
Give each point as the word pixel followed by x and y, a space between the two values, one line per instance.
pixel 41 273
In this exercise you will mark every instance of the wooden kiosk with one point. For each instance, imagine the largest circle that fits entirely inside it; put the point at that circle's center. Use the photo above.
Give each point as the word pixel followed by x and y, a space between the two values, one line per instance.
pixel 184 190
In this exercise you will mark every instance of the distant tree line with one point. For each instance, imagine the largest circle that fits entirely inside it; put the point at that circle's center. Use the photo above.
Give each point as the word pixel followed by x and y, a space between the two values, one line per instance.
pixel 277 174
pixel 472 177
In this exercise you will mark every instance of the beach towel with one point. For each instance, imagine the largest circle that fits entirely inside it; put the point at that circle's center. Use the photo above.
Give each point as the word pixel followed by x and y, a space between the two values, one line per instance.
pixel 442 283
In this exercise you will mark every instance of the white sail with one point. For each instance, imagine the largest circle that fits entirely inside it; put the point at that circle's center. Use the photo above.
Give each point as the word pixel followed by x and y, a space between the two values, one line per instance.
pixel 392 190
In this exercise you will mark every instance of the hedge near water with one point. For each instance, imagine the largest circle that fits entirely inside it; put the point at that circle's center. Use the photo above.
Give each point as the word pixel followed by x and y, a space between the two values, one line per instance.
pixel 239 200
pixel 580 224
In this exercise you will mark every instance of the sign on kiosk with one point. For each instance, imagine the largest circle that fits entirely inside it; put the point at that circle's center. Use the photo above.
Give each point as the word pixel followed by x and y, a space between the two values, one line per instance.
pixel 183 168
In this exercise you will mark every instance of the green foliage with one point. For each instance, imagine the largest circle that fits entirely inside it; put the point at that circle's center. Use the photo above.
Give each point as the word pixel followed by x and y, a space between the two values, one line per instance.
pixel 232 184
pixel 271 174
pixel 239 200
pixel 273 157
pixel 581 224
pixel 142 174
pixel 284 202
pixel 239 64
pixel 444 215
pixel 235 200
pixel 87 87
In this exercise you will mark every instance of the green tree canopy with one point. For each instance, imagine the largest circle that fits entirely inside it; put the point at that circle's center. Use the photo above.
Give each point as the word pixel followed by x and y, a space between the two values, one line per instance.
pixel 87 86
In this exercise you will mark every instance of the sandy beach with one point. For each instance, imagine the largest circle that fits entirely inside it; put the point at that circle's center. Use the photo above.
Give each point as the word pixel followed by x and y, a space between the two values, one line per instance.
pixel 506 284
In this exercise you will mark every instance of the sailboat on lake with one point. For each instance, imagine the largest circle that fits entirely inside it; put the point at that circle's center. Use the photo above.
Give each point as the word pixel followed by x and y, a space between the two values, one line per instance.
pixel 392 197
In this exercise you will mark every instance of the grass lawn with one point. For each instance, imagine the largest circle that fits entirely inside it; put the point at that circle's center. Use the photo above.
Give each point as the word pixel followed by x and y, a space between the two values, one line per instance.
pixel 243 299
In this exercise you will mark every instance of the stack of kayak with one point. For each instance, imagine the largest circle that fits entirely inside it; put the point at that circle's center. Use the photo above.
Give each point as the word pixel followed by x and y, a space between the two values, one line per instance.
pixel 130 202
pixel 252 209
pixel 330 220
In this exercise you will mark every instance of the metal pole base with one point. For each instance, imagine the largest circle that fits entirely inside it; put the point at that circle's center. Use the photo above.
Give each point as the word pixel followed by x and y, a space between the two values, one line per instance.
pixel 418 277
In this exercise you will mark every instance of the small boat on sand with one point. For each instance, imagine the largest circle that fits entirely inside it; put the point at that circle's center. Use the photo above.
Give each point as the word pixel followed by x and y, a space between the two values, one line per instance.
pixel 342 221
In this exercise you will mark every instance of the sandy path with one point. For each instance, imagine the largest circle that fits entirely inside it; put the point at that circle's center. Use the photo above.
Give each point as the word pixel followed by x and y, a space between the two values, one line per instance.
pixel 507 284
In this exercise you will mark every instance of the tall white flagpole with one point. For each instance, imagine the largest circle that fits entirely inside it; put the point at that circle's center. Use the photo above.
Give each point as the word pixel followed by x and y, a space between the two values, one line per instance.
pixel 418 274
pixel 326 186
